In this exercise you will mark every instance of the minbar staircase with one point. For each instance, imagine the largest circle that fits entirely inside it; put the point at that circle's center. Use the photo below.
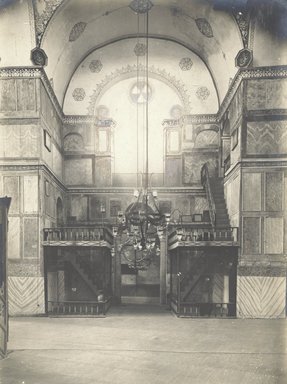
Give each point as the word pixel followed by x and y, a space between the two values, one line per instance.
pixel 221 213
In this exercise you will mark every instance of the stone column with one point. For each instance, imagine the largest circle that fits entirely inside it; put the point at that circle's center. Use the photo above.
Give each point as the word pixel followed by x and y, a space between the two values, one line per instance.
pixel 117 273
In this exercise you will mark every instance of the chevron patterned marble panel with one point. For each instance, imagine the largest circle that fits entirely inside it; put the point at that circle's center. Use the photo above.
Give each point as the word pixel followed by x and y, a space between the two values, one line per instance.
pixel 261 297
pixel 218 288
pixel 26 295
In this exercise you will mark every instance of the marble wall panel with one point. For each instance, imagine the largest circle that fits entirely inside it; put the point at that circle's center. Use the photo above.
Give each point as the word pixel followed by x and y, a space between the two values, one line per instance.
pixel 78 171
pixel 30 194
pixel 261 297
pixel 173 171
pixel 200 204
pixel 26 95
pixel 14 233
pixel 273 235
pixel 236 106
pixel 31 233
pixel 206 139
pixel 26 295
pixel 78 207
pixel 251 191
pixel 19 141
pixel 103 175
pixel 266 94
pixel 251 235
pixel 193 162
pixel 57 162
pixel 95 206
pixel 8 95
pixel 274 189
pixel 12 189
pixel 266 138
pixel 115 207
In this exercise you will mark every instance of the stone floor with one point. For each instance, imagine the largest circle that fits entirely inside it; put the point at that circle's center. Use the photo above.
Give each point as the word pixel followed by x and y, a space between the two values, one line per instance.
pixel 145 344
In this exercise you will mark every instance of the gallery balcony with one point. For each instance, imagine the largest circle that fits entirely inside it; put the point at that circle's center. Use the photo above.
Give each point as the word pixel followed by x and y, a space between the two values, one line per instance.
pixel 199 236
pixel 100 236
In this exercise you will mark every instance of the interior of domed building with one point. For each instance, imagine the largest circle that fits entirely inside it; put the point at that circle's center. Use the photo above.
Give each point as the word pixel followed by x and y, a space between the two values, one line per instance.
pixel 143 144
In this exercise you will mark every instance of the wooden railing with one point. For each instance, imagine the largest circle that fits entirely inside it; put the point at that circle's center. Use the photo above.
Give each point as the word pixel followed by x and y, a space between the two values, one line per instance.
pixel 188 235
pixel 79 308
pixel 78 234
pixel 205 181
pixel 202 309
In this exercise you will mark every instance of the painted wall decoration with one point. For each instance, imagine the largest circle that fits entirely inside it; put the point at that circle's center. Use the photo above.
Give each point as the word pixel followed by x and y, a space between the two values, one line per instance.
pixel 79 94
pixel 266 138
pixel 140 49
pixel 77 30
pixel 205 139
pixel 96 66
pixel 140 92
pixel 202 93
pixel 39 57
pixel 141 6
pixel 266 93
pixel 176 112
pixel 244 58
pixel 243 20
pixel 185 64
pixel 73 142
pixel 192 164
pixel 204 27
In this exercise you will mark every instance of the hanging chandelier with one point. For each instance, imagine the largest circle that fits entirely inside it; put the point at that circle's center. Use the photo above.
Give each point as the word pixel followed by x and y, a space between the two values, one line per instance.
pixel 142 224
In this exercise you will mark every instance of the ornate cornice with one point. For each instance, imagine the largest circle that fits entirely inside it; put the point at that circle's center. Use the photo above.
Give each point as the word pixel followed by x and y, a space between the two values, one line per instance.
pixel 242 74
pixel 119 190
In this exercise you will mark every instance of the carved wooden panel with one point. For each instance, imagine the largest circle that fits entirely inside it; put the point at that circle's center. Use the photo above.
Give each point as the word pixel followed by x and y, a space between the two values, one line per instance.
pixel 31 237
pixel 11 189
pixel 251 191
pixel 274 191
pixel 267 138
pixel 251 235
pixel 273 235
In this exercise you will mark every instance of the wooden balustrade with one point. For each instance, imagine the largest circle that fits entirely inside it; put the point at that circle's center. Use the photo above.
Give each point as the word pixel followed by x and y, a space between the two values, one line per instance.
pixel 67 234
pixel 189 235
pixel 79 308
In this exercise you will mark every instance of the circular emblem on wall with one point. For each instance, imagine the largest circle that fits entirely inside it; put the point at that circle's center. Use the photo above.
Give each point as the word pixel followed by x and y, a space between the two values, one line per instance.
pixel 96 66
pixel 202 93
pixel 79 94
pixel 185 64
pixel 141 6
pixel 39 57
pixel 244 58
pixel 140 92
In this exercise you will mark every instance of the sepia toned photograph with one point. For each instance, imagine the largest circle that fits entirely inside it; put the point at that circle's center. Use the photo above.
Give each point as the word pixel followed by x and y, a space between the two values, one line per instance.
pixel 143 191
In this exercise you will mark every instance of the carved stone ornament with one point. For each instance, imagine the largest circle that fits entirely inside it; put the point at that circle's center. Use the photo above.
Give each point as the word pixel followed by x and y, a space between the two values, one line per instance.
pixel 202 93
pixel 140 49
pixel 141 6
pixel 243 58
pixel 204 27
pixel 39 57
pixel 96 66
pixel 79 94
pixel 185 64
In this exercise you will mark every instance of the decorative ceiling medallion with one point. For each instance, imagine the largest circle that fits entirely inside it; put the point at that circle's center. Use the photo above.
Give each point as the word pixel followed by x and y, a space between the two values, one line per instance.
pixel 77 30
pixel 140 92
pixel 96 66
pixel 243 58
pixel 176 112
pixel 140 49
pixel 204 27
pixel 39 57
pixel 185 64
pixel 202 93
pixel 141 6
pixel 79 94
